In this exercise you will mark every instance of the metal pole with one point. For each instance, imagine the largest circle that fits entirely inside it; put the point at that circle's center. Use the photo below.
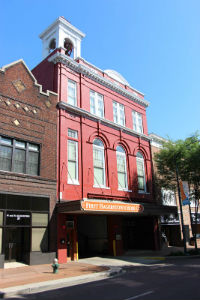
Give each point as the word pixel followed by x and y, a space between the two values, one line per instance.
pixel 181 210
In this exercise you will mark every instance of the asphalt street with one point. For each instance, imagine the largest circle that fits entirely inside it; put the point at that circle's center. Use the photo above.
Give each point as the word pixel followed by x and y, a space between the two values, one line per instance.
pixel 177 279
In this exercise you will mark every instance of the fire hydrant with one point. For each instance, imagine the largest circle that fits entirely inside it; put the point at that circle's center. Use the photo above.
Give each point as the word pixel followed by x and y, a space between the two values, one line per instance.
pixel 55 266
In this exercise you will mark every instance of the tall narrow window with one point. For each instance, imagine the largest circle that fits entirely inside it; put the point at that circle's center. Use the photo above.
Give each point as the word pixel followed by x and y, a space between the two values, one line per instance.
pixel 72 161
pixel 121 168
pixel 99 163
pixel 33 158
pixel 6 154
pixel 141 172
pixel 72 93
pixel 137 122
pixel 96 104
pixel 118 113
pixel 19 157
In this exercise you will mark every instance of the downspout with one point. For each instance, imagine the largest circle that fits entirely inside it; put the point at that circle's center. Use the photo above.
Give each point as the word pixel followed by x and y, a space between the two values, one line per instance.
pixel 156 221
pixel 81 132
pixel 59 134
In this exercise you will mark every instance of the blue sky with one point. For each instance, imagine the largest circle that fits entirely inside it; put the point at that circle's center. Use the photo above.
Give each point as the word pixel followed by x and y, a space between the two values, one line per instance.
pixel 154 44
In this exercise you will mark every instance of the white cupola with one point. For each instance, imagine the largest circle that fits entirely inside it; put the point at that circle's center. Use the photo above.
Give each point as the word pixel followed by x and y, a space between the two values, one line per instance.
pixel 61 34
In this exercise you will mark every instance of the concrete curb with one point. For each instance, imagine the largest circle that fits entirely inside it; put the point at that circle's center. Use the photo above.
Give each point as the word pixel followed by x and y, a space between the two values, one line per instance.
pixel 59 283
pixel 181 256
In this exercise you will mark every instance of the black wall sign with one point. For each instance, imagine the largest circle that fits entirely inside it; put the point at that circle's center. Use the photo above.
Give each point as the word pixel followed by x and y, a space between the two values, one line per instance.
pixel 18 218
pixel 193 215
pixel 171 219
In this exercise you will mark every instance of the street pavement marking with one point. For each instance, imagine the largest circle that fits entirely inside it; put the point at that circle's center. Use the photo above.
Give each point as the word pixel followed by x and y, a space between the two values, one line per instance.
pixel 140 295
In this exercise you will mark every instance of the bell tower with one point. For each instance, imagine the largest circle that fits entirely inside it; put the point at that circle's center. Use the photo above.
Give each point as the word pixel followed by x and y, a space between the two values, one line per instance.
pixel 62 34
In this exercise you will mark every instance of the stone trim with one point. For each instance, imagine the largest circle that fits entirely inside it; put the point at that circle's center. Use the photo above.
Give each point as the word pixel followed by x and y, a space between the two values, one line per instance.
pixel 82 112
pixel 79 68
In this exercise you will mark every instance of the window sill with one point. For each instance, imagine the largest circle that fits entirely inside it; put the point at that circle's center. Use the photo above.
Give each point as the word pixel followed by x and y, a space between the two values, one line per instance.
pixel 19 174
pixel 101 187
pixel 125 190
pixel 97 115
pixel 73 183
pixel 143 192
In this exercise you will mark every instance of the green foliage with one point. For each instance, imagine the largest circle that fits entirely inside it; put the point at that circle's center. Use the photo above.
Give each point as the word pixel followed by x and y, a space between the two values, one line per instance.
pixel 183 155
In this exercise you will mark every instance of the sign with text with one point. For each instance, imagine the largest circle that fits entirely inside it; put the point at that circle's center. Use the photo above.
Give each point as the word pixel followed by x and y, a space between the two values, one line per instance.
pixel 172 219
pixel 18 218
pixel 106 206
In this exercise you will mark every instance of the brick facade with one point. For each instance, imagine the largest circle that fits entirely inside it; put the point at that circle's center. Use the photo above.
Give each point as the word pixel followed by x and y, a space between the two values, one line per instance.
pixel 88 127
pixel 74 79
pixel 28 114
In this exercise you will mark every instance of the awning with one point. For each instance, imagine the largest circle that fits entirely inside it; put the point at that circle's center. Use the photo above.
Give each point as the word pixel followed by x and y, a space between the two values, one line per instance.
pixel 94 206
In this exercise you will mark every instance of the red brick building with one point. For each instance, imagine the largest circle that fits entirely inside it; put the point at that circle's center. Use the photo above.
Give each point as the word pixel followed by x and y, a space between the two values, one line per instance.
pixel 28 175
pixel 105 201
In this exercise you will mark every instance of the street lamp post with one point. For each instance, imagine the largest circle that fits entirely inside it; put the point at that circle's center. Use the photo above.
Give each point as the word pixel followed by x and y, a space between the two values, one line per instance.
pixel 181 210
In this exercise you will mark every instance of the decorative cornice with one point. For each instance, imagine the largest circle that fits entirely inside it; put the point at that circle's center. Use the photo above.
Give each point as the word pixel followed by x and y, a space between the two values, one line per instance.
pixel 85 113
pixel 62 21
pixel 79 68
pixel 156 140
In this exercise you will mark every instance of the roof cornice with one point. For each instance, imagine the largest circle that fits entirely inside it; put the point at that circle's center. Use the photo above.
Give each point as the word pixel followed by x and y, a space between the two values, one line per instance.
pixel 61 21
pixel 79 68
pixel 85 113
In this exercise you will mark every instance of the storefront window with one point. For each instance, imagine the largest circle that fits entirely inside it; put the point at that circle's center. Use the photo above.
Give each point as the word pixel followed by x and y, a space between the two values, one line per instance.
pixel 39 219
pixel 27 217
pixel 39 239
pixel 1 218
pixel 1 224
pixel 1 240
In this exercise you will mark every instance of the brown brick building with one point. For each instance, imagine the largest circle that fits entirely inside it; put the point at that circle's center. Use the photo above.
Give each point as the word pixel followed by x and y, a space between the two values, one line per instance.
pixel 28 133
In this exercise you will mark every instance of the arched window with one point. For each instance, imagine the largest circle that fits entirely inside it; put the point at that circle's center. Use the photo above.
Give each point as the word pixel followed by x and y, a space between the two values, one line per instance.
pixel 121 168
pixel 99 163
pixel 68 47
pixel 141 172
pixel 52 45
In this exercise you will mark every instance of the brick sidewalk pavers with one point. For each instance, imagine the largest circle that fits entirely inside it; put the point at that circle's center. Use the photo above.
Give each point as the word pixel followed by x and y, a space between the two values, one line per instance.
pixel 40 273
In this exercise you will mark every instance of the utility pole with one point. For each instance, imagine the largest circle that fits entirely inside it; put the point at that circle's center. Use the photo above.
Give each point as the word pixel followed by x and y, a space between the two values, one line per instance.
pixel 181 210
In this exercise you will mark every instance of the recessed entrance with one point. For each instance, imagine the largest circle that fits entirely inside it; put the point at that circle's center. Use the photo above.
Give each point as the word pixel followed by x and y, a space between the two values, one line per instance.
pixel 17 243
pixel 92 235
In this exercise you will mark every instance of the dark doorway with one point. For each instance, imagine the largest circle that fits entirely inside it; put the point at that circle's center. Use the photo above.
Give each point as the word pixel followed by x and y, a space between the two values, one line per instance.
pixel 92 235
pixel 17 243
pixel 70 244
pixel 138 233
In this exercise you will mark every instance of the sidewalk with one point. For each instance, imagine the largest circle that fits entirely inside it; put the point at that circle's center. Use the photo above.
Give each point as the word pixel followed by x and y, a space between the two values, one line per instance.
pixel 27 279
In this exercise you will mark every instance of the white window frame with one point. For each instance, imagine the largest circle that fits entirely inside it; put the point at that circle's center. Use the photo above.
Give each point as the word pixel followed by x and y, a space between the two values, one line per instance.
pixel 123 155
pixel 137 121
pixel 116 116
pixel 102 149
pixel 72 180
pixel 96 108
pixel 72 133
pixel 141 159
pixel 72 83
